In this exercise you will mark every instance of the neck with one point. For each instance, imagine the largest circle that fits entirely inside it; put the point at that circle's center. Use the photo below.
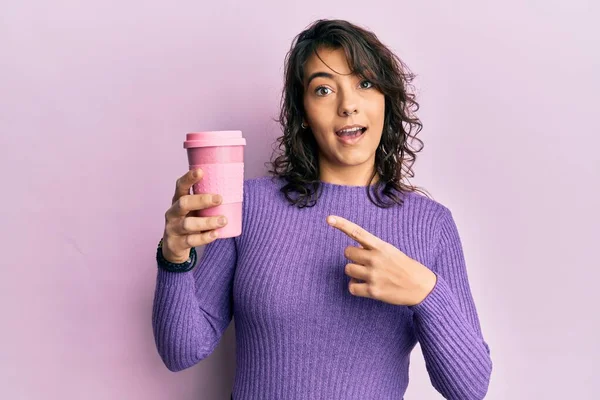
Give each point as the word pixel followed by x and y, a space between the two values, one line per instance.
pixel 356 175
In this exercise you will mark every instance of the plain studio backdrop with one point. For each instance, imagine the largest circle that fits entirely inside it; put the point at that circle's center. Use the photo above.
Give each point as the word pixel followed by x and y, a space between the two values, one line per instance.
pixel 96 99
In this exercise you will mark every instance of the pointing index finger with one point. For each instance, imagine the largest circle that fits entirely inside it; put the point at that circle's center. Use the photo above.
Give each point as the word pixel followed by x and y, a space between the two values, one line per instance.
pixel 366 239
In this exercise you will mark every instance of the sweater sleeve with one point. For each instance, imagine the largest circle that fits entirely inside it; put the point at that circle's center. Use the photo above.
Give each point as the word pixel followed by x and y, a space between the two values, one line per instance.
pixel 192 309
pixel 447 326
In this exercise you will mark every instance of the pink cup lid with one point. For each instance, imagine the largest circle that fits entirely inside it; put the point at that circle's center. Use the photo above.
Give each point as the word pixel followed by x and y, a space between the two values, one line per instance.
pixel 214 138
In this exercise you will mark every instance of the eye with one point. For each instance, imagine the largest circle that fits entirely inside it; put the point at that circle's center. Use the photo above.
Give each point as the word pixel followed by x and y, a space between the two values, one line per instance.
pixel 319 90
pixel 368 85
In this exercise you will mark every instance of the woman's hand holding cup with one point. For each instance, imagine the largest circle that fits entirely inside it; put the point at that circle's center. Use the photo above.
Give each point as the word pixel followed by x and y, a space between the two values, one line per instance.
pixel 183 230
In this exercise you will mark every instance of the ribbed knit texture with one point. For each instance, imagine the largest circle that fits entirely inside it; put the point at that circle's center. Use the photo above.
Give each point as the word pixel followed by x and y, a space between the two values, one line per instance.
pixel 300 334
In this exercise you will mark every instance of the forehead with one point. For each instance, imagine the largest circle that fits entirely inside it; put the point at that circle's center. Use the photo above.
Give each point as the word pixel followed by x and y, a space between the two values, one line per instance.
pixel 328 60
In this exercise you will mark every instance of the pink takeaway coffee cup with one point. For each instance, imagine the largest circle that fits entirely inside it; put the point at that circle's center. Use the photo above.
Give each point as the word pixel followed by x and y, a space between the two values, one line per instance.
pixel 220 154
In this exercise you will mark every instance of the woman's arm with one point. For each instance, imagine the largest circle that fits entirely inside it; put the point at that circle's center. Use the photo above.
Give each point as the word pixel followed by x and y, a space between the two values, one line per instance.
pixel 447 325
pixel 192 309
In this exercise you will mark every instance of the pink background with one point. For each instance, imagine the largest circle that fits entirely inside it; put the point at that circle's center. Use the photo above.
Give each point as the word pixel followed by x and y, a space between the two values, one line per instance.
pixel 95 101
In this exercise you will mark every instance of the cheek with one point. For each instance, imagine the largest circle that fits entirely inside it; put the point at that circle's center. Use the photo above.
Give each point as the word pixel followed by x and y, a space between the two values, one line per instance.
pixel 320 118
pixel 312 113
pixel 378 109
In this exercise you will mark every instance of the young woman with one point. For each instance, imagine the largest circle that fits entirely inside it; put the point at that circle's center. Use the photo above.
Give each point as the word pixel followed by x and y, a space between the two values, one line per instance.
pixel 341 266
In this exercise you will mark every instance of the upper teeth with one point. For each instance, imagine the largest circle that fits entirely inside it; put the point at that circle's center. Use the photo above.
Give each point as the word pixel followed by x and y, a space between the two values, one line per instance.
pixel 350 130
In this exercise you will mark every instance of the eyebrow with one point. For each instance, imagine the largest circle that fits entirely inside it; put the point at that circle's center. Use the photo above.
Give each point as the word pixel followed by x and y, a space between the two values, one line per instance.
pixel 319 74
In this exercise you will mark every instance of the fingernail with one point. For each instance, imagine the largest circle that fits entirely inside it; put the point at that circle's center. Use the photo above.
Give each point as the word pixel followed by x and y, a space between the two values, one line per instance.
pixel 213 234
pixel 195 173
pixel 221 221
pixel 331 220
pixel 216 198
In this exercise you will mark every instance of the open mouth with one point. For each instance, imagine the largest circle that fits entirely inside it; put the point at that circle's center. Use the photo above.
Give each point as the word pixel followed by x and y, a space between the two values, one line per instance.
pixel 351 135
pixel 351 132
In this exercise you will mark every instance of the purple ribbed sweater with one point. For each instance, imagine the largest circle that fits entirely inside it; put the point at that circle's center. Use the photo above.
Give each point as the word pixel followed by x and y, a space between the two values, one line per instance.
pixel 299 333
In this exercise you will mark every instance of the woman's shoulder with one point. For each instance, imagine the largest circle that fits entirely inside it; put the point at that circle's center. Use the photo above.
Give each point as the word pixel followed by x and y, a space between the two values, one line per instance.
pixel 262 188
pixel 417 202
pixel 262 183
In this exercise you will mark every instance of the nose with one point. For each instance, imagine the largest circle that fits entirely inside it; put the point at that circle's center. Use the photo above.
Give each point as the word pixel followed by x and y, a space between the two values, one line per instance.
pixel 348 104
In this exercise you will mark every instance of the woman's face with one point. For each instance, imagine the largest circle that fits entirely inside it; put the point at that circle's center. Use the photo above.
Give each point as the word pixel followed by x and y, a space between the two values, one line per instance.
pixel 334 99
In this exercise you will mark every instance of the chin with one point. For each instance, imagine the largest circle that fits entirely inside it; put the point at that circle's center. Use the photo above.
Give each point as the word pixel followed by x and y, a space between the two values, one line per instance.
pixel 355 160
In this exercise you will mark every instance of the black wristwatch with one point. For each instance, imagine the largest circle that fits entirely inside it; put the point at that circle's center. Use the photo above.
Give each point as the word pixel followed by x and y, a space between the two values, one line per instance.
pixel 172 267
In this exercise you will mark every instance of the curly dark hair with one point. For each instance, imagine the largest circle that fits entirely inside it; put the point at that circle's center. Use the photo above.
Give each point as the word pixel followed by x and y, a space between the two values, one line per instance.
pixel 367 57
